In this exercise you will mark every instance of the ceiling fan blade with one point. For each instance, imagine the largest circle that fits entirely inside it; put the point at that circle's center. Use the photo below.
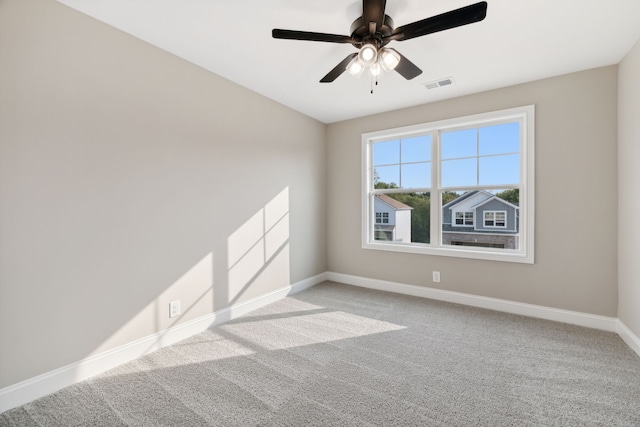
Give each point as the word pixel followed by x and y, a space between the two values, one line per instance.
pixel 455 18
pixel 338 69
pixel 373 11
pixel 406 68
pixel 309 36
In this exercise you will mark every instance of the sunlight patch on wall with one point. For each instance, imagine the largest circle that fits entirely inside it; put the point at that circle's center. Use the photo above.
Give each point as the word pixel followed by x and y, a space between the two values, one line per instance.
pixel 258 251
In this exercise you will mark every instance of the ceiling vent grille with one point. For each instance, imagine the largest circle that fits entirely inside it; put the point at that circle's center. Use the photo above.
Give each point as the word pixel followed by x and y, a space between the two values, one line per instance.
pixel 438 83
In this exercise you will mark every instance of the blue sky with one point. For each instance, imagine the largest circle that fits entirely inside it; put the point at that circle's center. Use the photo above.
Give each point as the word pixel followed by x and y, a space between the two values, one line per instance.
pixel 481 156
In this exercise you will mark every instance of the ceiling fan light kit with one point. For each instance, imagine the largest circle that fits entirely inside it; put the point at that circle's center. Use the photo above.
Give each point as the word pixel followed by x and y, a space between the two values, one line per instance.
pixel 372 31
pixel 368 55
pixel 355 68
pixel 390 59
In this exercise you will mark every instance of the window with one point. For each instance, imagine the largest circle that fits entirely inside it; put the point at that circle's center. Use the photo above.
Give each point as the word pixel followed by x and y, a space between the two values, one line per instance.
pixel 462 187
pixel 382 217
pixel 464 218
pixel 495 219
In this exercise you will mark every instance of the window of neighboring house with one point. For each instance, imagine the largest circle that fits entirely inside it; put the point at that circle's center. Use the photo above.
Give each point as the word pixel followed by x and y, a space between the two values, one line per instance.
pixel 495 219
pixel 464 218
pixel 382 217
pixel 383 235
pixel 460 164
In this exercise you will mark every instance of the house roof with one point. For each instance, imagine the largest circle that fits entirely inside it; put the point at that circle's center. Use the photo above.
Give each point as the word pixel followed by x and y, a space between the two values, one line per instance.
pixel 499 200
pixel 463 197
pixel 468 194
pixel 392 202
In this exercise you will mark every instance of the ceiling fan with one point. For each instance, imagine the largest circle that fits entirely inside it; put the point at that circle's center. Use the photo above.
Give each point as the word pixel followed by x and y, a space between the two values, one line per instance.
pixel 372 31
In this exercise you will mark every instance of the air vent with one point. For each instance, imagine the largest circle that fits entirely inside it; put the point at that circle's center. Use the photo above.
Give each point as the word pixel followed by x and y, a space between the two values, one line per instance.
pixel 439 83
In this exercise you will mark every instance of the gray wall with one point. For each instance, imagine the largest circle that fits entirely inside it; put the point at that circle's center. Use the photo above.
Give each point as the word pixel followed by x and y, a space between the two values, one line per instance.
pixel 628 185
pixel 576 198
pixel 127 176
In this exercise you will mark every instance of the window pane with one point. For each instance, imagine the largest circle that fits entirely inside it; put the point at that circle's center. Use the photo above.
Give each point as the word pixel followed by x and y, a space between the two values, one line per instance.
pixel 386 153
pixel 468 218
pixel 462 143
pixel 417 149
pixel 504 138
pixel 459 173
pixel 416 175
pixel 408 217
pixel 488 219
pixel 386 176
pixel 502 170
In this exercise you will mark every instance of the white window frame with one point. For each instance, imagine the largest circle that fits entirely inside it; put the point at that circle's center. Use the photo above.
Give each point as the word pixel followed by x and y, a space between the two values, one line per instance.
pixel 525 254
pixel 464 219
pixel 484 220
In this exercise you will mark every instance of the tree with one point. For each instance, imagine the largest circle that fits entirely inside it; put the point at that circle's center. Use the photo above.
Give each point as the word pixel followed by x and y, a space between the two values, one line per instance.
pixel 448 196
pixel 383 185
pixel 420 215
pixel 511 196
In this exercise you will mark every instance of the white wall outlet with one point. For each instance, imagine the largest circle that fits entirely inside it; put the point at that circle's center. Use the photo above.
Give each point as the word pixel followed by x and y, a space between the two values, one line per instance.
pixel 174 308
pixel 436 276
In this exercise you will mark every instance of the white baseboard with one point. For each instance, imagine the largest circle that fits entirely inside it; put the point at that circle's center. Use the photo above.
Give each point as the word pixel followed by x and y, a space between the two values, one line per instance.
pixel 50 382
pixel 609 324
pixel 628 337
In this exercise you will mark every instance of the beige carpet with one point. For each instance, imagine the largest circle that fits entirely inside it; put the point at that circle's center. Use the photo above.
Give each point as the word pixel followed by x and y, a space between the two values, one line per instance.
pixel 341 355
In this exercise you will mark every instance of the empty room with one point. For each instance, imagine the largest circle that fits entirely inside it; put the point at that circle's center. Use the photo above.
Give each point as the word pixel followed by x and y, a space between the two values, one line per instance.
pixel 283 213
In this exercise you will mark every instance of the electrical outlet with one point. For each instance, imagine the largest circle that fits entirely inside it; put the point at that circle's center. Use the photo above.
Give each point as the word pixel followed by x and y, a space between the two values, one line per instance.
pixel 174 308
pixel 436 276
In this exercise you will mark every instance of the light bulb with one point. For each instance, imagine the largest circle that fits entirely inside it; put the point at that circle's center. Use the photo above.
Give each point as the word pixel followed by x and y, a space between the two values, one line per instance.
pixel 368 55
pixel 375 69
pixel 390 58
pixel 355 68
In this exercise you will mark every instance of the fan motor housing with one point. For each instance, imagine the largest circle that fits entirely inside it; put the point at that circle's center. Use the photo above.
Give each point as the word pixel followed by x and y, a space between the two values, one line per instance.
pixel 361 31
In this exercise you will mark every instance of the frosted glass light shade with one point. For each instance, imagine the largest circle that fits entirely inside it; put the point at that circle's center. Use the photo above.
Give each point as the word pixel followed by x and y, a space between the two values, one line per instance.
pixel 368 55
pixel 389 58
pixel 375 70
pixel 355 68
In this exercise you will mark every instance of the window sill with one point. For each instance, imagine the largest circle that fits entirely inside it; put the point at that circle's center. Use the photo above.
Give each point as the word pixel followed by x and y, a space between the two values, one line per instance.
pixel 487 254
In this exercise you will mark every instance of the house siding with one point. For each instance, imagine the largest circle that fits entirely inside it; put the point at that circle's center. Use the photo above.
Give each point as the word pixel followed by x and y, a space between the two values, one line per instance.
pixel 480 202
pixel 497 205
pixel 381 207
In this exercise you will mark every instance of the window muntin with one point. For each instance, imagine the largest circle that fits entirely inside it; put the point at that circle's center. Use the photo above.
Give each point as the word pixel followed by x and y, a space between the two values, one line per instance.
pixel 483 155
pixel 491 152
pixel 402 163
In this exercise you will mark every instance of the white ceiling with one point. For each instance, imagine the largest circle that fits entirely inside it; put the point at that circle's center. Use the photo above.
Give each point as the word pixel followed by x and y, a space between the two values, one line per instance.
pixel 519 41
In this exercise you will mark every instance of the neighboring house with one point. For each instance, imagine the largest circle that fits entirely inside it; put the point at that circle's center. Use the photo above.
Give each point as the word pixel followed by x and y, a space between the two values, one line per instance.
pixel 392 219
pixel 479 218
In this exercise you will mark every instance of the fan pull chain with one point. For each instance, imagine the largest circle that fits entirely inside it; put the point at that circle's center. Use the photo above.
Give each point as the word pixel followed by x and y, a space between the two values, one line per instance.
pixel 371 83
